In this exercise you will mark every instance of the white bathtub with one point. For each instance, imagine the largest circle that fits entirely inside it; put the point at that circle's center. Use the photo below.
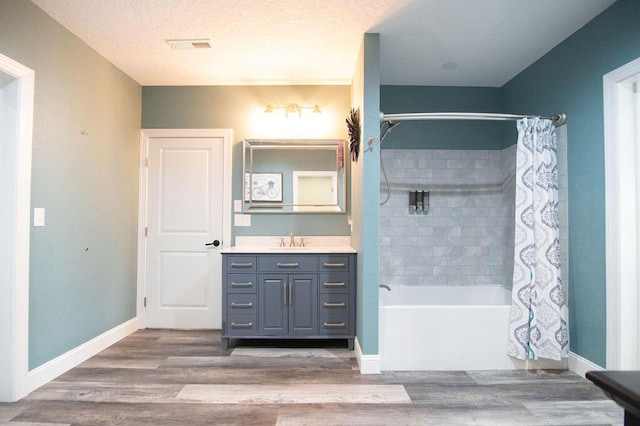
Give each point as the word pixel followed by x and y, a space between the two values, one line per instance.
pixel 445 328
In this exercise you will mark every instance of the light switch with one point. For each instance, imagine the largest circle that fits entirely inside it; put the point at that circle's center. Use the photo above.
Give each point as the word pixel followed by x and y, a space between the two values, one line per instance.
pixel 237 206
pixel 38 216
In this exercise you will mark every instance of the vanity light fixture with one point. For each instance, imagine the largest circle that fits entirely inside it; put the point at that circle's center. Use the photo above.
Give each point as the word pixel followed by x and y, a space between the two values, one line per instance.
pixel 291 109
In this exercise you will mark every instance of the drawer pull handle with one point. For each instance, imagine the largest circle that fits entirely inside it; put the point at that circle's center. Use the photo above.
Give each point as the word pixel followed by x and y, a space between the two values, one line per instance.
pixel 242 305
pixel 334 284
pixel 288 265
pixel 334 265
pixel 242 265
pixel 241 285
pixel 334 325
pixel 334 305
pixel 241 324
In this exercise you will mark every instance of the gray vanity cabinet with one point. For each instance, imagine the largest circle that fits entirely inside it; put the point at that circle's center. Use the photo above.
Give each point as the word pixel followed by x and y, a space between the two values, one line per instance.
pixel 292 296
pixel 288 304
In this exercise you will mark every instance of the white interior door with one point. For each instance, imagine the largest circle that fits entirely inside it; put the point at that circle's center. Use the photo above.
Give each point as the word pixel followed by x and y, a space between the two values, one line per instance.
pixel 184 220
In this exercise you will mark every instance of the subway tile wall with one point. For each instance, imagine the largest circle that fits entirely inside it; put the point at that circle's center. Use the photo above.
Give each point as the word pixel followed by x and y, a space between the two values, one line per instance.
pixel 466 238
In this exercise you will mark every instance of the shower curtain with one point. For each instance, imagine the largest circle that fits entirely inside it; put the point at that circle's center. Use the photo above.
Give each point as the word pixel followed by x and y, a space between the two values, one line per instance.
pixel 538 326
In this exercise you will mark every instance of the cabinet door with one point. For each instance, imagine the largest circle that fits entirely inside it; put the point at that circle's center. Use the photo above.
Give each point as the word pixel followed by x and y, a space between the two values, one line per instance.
pixel 303 304
pixel 272 311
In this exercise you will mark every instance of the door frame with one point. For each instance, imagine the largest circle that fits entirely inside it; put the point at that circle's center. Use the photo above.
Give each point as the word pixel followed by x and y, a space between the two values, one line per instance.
pixel 145 135
pixel 14 322
pixel 622 234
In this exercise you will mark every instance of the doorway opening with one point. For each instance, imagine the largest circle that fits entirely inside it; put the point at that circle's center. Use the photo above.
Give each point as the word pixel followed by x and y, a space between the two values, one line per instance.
pixel 16 124
pixel 622 173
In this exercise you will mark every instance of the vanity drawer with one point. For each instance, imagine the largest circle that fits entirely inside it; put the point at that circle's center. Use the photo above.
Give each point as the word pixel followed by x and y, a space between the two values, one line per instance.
pixel 334 303
pixel 287 263
pixel 242 324
pixel 241 263
pixel 334 282
pixel 241 283
pixel 334 323
pixel 241 304
pixel 333 263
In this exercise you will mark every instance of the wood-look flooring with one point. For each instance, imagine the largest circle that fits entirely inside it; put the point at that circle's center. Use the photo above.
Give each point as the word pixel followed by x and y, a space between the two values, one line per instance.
pixel 174 377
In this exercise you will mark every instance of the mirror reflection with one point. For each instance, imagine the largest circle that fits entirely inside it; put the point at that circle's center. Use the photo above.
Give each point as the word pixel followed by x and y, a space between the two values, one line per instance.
pixel 294 176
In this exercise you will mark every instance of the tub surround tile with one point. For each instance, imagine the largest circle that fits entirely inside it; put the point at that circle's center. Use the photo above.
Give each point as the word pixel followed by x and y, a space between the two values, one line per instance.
pixel 472 194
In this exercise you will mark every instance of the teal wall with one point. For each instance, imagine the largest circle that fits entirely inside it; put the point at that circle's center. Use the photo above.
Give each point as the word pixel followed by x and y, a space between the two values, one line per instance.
pixel 444 134
pixel 241 108
pixel 365 192
pixel 569 79
pixel 88 184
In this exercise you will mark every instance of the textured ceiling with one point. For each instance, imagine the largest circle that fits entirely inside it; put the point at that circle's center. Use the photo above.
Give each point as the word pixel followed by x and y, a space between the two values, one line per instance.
pixel 317 41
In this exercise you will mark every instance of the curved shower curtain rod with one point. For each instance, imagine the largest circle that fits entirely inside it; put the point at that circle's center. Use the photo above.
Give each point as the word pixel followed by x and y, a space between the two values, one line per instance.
pixel 558 119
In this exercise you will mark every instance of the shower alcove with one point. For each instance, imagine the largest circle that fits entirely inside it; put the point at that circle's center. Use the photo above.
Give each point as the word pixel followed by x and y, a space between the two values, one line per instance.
pixel 454 263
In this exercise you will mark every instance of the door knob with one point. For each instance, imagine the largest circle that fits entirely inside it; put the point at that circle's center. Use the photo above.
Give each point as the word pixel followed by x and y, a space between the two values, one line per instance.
pixel 214 243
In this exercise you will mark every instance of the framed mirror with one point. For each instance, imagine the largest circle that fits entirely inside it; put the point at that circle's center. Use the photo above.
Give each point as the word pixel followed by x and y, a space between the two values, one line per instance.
pixel 294 176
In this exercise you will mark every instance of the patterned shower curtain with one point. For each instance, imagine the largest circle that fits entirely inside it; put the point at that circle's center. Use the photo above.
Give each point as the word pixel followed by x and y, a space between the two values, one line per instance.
pixel 538 310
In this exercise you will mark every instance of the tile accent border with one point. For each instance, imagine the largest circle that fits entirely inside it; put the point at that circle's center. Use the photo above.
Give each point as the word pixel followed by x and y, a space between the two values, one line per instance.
pixel 65 362
pixel 369 364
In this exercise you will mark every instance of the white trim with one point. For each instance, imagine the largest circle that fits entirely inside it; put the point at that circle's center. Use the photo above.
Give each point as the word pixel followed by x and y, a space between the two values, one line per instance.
pixel 621 246
pixel 580 365
pixel 145 135
pixel 17 319
pixel 76 356
pixel 369 364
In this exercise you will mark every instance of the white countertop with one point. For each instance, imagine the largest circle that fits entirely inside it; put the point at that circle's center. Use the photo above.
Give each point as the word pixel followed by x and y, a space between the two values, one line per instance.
pixel 289 250
pixel 271 244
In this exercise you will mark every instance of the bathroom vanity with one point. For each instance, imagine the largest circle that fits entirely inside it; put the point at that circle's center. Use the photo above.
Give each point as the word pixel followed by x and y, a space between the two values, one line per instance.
pixel 288 293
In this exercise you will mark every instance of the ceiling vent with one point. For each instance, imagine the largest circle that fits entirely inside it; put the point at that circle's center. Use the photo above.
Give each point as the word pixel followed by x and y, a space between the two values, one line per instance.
pixel 197 43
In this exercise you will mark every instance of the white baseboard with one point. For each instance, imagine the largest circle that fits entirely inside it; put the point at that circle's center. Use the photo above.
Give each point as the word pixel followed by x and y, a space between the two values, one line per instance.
pixel 369 364
pixel 65 362
pixel 580 365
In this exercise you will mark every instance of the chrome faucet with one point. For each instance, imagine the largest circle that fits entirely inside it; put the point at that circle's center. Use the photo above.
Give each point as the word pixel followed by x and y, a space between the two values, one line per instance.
pixel 385 287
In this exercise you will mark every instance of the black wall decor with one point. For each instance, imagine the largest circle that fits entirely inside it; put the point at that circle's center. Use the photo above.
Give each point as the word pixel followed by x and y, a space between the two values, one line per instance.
pixel 353 126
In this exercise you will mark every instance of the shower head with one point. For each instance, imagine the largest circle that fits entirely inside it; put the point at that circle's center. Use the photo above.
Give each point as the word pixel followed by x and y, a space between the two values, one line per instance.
pixel 389 125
